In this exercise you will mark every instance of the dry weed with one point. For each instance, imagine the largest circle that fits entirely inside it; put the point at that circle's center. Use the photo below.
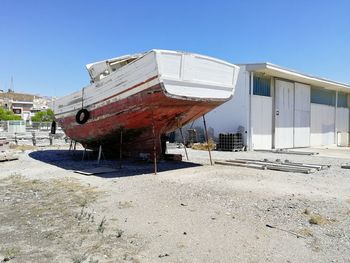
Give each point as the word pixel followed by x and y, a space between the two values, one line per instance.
pixel 23 147
pixel 317 219
pixel 204 146
pixel 306 232
pixel 54 215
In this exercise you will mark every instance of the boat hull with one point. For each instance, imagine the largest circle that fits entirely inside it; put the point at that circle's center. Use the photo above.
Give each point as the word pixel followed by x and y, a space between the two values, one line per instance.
pixel 145 99
pixel 141 118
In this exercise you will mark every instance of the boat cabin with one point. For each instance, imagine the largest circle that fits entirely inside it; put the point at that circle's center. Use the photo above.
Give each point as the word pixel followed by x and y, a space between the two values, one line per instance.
pixel 101 69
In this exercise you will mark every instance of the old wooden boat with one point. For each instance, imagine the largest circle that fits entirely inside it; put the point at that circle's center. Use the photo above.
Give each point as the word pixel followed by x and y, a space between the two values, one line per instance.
pixel 143 97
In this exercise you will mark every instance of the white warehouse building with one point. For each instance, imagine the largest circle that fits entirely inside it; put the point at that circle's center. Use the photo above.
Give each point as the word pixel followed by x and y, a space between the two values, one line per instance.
pixel 278 108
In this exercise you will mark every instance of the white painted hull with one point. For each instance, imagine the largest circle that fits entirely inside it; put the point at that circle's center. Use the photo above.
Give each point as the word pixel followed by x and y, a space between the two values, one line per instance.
pixel 161 89
pixel 183 75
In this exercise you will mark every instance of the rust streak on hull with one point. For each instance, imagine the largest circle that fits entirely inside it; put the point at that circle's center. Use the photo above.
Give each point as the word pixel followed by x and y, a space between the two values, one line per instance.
pixel 134 115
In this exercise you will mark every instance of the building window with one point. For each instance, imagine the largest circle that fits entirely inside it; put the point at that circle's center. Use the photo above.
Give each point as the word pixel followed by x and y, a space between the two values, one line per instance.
pixel 17 111
pixel 262 86
pixel 342 100
pixel 322 96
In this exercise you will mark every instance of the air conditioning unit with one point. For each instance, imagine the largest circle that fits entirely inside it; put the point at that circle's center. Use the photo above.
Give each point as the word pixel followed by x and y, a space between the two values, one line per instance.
pixel 343 139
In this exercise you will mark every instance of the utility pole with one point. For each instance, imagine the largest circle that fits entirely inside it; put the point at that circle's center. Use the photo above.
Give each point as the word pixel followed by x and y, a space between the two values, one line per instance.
pixel 11 89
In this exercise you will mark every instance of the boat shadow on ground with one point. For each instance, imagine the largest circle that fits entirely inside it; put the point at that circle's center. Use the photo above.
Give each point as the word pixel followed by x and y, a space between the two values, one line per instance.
pixel 70 160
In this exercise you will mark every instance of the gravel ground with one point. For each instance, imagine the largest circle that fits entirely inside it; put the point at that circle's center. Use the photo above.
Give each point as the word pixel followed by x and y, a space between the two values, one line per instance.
pixel 188 212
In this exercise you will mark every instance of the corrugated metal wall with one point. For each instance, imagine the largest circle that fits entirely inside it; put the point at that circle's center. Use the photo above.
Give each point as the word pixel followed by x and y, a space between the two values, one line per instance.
pixel 316 117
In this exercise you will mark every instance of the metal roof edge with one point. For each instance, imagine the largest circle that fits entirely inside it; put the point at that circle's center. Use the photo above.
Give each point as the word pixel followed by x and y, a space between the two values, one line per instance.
pixel 251 67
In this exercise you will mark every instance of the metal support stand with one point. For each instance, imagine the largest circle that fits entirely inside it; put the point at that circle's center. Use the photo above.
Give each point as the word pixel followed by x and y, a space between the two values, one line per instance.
pixel 74 147
pixel 184 143
pixel 207 139
pixel 70 145
pixel 84 153
pixel 120 148
pixel 51 139
pixel 33 139
pixel 99 154
pixel 154 145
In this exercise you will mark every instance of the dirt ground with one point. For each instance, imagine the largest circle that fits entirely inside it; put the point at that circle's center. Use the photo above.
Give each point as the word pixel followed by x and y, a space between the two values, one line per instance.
pixel 188 212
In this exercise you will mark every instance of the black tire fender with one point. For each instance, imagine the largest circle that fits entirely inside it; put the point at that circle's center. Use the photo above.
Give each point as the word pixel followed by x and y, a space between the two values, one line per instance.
pixel 82 116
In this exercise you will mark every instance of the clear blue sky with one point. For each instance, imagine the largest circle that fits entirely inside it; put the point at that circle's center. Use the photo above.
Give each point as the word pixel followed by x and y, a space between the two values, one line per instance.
pixel 45 44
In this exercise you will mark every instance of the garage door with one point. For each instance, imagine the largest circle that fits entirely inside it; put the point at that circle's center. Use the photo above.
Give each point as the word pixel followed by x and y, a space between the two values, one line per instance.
pixel 261 122
pixel 284 114
pixel 322 124
pixel 342 119
pixel 302 109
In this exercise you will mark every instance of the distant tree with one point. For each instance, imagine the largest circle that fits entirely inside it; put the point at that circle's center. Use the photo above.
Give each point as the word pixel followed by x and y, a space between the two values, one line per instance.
pixel 42 116
pixel 8 115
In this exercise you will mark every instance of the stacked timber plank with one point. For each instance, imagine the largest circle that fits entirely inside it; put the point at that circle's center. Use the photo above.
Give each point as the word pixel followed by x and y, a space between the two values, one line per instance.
pixel 288 151
pixel 277 165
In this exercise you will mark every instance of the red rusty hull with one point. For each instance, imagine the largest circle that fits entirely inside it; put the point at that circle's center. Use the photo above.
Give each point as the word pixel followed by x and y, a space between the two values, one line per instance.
pixel 135 116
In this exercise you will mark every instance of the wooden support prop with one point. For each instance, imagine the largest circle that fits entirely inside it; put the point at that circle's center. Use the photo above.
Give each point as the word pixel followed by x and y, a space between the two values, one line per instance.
pixel 207 139
pixel 183 142
pixel 120 148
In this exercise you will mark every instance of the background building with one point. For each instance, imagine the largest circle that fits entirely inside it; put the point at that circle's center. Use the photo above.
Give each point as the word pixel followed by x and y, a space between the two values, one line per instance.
pixel 24 105
pixel 281 108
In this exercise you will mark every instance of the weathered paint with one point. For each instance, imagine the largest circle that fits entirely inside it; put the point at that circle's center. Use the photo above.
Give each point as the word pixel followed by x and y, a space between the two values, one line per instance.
pixel 157 89
pixel 135 115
